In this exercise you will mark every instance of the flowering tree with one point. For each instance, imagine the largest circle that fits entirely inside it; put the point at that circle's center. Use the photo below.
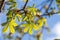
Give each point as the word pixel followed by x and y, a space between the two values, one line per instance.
pixel 31 18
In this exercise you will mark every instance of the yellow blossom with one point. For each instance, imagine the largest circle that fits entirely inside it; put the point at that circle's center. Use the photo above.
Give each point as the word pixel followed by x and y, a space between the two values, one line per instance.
pixel 5 29
pixel 29 28
pixel 35 27
pixel 45 22
pixel 11 26
pixel 40 23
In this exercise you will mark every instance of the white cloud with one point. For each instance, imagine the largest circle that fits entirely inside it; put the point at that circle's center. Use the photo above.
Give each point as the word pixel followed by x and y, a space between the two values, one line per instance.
pixel 56 30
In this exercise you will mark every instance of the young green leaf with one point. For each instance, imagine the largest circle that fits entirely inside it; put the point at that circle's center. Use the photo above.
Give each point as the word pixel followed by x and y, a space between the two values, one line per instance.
pixel 3 24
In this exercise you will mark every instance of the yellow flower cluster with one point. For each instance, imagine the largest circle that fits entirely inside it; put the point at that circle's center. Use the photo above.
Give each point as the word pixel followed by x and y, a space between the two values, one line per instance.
pixel 32 10
pixel 42 22
pixel 29 27
pixel 11 26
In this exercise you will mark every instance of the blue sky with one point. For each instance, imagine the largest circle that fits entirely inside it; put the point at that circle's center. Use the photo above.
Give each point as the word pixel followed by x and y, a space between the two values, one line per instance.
pixel 53 22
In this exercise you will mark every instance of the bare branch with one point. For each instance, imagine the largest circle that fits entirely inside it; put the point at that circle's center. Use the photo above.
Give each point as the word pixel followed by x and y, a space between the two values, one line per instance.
pixel 46 14
pixel 1 4
pixel 49 6
pixel 25 4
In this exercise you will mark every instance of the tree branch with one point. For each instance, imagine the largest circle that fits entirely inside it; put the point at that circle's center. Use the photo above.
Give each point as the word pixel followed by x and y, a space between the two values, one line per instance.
pixel 49 6
pixel 46 14
pixel 43 5
pixel 25 4
pixel 1 4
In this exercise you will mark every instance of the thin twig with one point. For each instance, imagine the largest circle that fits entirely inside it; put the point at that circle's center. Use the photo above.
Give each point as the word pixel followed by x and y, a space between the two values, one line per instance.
pixel 39 16
pixel 43 5
pixel 25 4
pixel 39 34
pixel 49 6
pixel 49 14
